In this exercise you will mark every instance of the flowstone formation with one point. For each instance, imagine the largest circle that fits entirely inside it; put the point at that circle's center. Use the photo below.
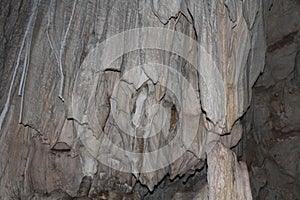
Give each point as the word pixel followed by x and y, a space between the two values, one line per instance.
pixel 114 99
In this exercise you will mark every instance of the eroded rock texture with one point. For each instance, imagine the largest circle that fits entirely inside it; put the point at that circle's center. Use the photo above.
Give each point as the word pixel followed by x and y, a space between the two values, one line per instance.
pixel 85 105
pixel 271 147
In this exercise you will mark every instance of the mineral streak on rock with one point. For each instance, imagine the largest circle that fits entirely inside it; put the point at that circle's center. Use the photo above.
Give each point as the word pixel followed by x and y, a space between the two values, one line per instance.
pixel 159 100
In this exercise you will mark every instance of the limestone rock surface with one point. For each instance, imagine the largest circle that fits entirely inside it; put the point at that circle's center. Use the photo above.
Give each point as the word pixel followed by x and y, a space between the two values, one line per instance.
pixel 124 92
pixel 271 143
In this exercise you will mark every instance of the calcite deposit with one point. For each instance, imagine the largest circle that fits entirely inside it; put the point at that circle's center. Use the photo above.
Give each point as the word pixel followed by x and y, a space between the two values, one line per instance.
pixel 118 99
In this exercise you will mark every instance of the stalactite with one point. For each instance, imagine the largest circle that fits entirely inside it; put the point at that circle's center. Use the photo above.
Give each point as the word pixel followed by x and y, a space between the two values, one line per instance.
pixel 61 51
pixel 47 32
pixel 58 56
pixel 27 32
pixel 25 66
pixel 153 133
pixel 24 77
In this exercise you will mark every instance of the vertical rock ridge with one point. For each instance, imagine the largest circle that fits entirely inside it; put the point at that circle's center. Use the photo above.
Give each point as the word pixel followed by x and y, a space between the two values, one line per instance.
pixel 127 92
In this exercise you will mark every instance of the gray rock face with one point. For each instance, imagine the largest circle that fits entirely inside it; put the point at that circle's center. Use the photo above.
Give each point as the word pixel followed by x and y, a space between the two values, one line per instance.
pixel 283 42
pixel 271 146
pixel 235 184
pixel 124 92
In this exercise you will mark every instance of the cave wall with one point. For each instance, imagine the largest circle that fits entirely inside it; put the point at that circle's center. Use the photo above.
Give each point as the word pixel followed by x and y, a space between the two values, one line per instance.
pixel 100 96
pixel 271 145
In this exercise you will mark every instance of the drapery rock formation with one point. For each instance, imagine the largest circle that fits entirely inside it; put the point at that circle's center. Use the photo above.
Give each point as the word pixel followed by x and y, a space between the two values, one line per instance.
pixel 119 99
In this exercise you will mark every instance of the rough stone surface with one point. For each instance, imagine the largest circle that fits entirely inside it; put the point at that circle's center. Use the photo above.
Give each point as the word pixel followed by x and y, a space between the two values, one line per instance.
pixel 72 96
pixel 271 145
pixel 283 41
pixel 235 184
